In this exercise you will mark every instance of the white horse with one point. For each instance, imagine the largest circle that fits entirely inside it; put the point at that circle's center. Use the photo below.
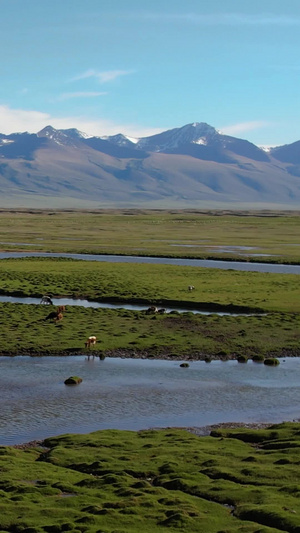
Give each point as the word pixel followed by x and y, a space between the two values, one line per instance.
pixel 91 341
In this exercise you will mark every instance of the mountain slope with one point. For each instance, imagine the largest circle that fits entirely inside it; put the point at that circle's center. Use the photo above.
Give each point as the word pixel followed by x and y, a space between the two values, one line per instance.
pixel 193 166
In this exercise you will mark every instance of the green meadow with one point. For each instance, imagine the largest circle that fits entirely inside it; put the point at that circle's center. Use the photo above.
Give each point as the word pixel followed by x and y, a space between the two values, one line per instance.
pixel 166 480
pixel 158 233
pixel 273 298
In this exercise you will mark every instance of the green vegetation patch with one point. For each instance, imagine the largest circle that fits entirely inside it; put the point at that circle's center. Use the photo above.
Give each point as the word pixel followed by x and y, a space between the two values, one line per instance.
pixel 25 331
pixel 215 289
pixel 201 234
pixel 234 481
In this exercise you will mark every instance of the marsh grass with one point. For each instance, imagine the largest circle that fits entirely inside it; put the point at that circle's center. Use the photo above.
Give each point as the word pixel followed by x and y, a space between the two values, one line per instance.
pixel 164 233
pixel 166 480
pixel 150 283
pixel 24 330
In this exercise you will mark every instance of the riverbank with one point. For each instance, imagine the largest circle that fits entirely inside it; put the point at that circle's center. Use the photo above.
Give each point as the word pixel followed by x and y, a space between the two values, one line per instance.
pixel 199 431
pixel 127 353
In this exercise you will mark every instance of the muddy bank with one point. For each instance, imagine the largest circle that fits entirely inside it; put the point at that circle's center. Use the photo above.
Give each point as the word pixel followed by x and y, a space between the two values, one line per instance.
pixel 129 353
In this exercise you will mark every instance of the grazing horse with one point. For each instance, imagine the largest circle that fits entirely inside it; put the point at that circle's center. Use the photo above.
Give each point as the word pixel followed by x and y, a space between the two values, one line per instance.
pixel 91 341
pixel 161 311
pixel 55 315
pixel 61 309
pixel 46 300
pixel 59 316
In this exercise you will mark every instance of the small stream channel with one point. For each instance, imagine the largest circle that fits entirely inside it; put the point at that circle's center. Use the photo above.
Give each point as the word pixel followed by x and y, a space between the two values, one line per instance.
pixel 131 307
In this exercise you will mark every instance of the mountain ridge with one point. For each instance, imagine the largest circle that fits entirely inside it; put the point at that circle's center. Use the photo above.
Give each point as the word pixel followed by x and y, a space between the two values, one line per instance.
pixel 191 166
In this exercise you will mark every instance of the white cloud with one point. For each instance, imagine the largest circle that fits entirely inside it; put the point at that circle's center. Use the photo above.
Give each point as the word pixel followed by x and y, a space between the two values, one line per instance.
pixel 242 127
pixel 20 120
pixel 104 76
pixel 87 94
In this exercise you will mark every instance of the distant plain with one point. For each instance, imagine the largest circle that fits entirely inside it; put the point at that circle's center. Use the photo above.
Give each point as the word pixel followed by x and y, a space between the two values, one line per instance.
pixel 253 235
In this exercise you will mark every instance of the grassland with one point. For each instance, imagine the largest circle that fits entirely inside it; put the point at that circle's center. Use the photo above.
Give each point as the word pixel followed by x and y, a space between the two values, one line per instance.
pixel 168 480
pixel 156 233
pixel 273 331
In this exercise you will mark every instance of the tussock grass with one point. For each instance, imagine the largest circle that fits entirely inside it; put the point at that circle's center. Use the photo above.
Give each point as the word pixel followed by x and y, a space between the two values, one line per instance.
pixel 166 480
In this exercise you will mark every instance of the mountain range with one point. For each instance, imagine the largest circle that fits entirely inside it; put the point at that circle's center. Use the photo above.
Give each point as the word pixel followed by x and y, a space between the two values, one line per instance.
pixel 194 166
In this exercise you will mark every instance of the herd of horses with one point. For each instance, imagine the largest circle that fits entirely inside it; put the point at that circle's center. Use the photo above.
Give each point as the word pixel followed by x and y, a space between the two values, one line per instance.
pixel 57 315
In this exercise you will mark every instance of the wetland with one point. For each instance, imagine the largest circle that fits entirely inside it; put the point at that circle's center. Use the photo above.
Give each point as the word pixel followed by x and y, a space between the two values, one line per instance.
pixel 132 475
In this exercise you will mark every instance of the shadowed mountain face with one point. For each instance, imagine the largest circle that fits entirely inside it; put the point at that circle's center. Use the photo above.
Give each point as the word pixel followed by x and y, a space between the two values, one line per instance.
pixel 194 166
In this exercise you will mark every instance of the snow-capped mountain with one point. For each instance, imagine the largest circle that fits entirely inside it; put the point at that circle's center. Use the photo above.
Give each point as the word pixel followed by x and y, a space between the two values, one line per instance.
pixel 197 139
pixel 198 133
pixel 120 140
pixel 191 166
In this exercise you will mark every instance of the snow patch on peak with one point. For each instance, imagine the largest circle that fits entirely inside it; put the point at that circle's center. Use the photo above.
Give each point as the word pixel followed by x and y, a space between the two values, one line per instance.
pixel 133 140
pixel 265 148
pixel 202 140
pixel 120 139
pixel 6 141
pixel 74 132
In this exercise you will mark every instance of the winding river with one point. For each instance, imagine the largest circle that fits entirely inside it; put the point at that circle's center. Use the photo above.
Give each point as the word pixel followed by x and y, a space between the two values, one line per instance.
pixel 204 263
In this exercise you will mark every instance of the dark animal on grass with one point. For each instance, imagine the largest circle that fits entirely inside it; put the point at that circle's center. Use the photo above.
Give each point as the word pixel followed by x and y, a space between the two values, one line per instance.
pixel 56 316
pixel 46 300
pixel 161 311
pixel 151 310
pixel 59 317
pixel 91 341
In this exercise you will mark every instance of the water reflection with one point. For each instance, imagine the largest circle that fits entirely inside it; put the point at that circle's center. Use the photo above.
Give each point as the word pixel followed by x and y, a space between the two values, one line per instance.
pixel 137 394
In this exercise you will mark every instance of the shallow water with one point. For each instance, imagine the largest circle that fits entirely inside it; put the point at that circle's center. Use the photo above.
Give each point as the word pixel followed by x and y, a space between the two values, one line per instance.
pixel 105 305
pixel 204 263
pixel 137 394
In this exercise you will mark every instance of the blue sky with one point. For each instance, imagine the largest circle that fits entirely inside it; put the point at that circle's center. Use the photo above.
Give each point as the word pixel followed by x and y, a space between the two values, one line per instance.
pixel 140 67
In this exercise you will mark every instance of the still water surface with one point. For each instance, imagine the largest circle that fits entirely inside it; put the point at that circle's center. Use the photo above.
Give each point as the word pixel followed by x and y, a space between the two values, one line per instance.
pixel 204 263
pixel 137 394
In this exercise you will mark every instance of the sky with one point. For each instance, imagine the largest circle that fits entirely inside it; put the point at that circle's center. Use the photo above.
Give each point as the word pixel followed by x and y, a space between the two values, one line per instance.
pixel 138 67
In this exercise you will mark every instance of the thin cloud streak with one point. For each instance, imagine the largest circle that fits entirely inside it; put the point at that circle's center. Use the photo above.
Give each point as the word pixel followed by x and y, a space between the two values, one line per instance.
pixel 102 76
pixel 242 127
pixel 68 96
pixel 222 19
